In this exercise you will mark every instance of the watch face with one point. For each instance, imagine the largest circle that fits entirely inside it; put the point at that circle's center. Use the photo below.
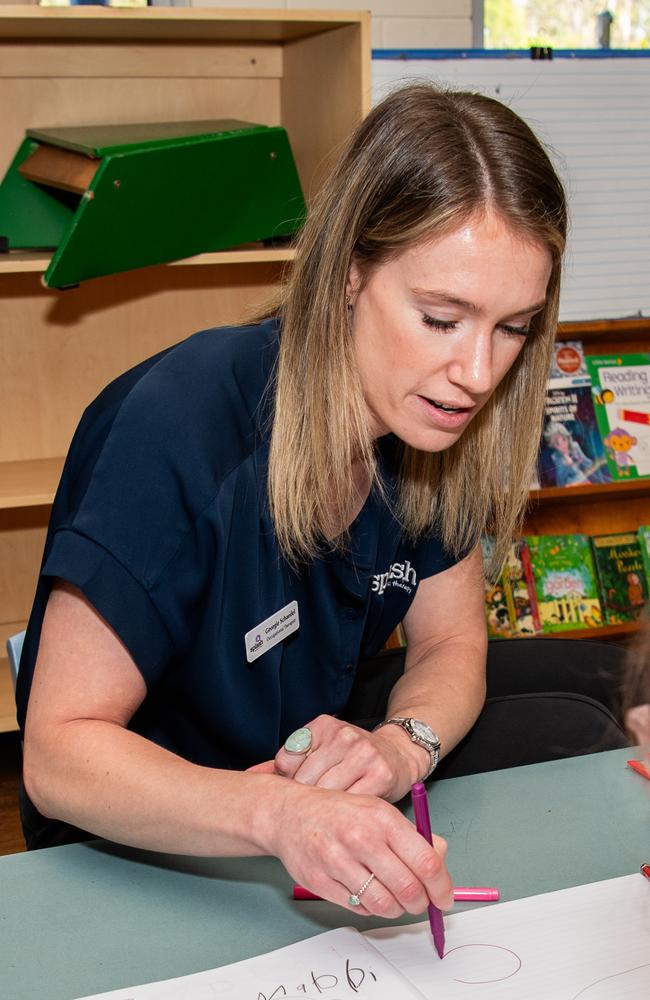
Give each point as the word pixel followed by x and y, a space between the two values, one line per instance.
pixel 423 731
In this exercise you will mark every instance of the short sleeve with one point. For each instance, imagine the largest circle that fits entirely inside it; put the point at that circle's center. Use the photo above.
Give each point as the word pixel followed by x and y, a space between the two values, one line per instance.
pixel 115 593
pixel 433 558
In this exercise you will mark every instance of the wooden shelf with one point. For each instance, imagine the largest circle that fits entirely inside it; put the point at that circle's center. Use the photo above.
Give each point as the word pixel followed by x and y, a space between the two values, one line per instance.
pixel 593 492
pixel 29 483
pixel 38 262
pixel 604 632
pixel 605 329
pixel 170 24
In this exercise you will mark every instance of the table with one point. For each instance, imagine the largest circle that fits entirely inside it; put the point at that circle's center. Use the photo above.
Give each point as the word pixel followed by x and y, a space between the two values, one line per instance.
pixel 84 918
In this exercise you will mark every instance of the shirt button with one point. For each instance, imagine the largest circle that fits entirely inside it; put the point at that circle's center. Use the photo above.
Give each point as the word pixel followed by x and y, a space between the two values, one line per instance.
pixel 348 668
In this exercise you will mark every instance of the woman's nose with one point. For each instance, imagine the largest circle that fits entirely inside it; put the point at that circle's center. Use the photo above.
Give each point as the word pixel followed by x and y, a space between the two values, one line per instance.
pixel 472 366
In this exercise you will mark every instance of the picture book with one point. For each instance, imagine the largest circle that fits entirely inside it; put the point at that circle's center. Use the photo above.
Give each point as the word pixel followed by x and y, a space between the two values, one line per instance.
pixel 565 582
pixel 621 393
pixel 519 586
pixel 499 612
pixel 643 534
pixel 571 449
pixel 621 577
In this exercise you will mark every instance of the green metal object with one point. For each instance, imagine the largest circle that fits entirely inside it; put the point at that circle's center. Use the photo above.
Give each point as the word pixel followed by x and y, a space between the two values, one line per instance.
pixel 31 216
pixel 161 192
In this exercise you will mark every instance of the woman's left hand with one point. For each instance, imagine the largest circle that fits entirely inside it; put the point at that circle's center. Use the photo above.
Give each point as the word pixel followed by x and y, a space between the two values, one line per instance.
pixel 343 757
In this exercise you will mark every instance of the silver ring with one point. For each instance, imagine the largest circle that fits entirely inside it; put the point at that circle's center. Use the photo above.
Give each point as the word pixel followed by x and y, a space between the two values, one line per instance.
pixel 355 898
pixel 299 742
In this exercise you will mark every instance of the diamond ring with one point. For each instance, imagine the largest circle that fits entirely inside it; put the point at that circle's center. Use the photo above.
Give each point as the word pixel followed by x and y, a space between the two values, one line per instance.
pixel 355 898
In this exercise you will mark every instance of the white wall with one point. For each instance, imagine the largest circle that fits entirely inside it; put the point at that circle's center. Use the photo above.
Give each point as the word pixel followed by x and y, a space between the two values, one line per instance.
pixel 396 24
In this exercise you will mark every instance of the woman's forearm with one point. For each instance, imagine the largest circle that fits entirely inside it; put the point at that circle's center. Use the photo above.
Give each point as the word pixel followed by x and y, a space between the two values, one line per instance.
pixel 111 782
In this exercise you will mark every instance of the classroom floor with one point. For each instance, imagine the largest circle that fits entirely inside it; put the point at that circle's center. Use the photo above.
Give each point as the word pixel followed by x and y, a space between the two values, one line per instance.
pixel 11 837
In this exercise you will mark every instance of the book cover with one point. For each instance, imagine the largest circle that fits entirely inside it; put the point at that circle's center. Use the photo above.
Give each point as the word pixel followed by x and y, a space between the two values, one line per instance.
pixel 499 612
pixel 643 534
pixel 621 576
pixel 621 393
pixel 565 582
pixel 571 449
pixel 519 586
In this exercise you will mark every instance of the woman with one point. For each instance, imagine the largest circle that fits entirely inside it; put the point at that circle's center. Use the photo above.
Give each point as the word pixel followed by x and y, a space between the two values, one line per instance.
pixel 246 515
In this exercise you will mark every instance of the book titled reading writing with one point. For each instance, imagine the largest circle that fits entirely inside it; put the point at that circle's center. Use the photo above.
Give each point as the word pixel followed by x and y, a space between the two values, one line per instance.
pixel 621 392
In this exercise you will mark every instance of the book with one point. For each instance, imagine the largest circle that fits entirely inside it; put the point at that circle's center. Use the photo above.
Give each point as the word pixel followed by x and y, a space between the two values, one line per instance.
pixel 565 582
pixel 499 610
pixel 643 534
pixel 621 393
pixel 519 587
pixel 621 576
pixel 571 450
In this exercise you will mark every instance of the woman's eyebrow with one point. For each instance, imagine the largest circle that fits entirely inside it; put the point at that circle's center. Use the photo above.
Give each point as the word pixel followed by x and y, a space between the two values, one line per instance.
pixel 442 296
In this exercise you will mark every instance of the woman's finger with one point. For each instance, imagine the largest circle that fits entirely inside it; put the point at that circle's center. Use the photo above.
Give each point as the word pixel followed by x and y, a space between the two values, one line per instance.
pixel 295 750
pixel 425 861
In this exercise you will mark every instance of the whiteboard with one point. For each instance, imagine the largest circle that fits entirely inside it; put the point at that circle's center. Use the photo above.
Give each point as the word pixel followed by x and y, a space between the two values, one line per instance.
pixel 593 115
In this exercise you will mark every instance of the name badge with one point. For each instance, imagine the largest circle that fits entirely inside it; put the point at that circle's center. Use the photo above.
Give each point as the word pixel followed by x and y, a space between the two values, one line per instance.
pixel 271 631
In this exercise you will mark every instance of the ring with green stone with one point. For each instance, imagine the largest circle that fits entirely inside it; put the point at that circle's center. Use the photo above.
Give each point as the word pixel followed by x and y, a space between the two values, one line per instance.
pixel 299 742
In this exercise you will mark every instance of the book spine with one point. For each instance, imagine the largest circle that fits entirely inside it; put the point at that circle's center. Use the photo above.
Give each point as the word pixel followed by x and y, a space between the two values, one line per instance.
pixel 527 566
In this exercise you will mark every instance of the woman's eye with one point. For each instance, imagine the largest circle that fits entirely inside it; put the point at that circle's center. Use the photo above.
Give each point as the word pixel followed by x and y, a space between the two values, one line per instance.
pixel 515 331
pixel 438 324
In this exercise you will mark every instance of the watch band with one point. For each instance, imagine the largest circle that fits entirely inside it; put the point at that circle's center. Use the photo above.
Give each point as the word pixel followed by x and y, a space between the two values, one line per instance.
pixel 419 733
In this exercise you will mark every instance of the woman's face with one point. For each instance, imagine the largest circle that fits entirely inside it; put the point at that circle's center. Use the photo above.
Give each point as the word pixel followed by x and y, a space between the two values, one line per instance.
pixel 436 328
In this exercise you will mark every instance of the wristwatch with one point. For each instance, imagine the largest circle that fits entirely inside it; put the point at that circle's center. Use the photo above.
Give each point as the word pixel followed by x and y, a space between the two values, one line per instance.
pixel 420 733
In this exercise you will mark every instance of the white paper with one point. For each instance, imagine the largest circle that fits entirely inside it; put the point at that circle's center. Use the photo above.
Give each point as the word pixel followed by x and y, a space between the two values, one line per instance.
pixel 587 943
pixel 337 965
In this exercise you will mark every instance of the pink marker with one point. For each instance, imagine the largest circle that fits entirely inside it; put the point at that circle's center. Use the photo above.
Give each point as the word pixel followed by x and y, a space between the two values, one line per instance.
pixel 423 826
pixel 476 894
pixel 462 894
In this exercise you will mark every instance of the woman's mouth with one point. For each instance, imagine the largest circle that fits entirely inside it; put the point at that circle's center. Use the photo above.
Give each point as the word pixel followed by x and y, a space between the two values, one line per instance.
pixel 445 415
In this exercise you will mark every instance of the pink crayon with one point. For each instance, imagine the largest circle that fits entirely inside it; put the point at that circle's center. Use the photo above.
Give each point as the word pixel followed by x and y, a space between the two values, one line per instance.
pixel 462 894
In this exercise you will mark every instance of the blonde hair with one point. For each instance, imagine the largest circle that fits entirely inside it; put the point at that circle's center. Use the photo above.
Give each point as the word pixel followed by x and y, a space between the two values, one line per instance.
pixel 423 161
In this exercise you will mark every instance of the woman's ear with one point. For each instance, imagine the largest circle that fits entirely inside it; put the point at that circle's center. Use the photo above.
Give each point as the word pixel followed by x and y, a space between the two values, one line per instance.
pixel 353 284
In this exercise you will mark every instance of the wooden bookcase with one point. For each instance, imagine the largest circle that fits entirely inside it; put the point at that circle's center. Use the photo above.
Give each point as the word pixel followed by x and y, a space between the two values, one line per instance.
pixel 306 70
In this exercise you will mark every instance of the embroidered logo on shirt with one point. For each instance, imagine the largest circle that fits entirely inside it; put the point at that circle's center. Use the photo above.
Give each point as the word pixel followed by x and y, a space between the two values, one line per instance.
pixel 400 575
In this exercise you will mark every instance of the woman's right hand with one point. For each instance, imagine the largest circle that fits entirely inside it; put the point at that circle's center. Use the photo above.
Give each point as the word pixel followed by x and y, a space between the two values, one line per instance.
pixel 331 842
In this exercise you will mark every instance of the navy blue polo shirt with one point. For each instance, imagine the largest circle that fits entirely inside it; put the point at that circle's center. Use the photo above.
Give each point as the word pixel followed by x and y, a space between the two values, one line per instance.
pixel 161 519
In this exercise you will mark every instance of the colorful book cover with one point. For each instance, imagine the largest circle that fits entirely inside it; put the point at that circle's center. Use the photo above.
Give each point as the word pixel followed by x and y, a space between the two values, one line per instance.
pixel 621 391
pixel 499 612
pixel 565 582
pixel 643 534
pixel 571 449
pixel 519 586
pixel 621 577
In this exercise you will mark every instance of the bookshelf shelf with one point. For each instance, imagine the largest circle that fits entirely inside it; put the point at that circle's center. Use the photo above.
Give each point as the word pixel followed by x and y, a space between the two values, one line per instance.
pixel 37 263
pixel 605 632
pixel 592 493
pixel 29 483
